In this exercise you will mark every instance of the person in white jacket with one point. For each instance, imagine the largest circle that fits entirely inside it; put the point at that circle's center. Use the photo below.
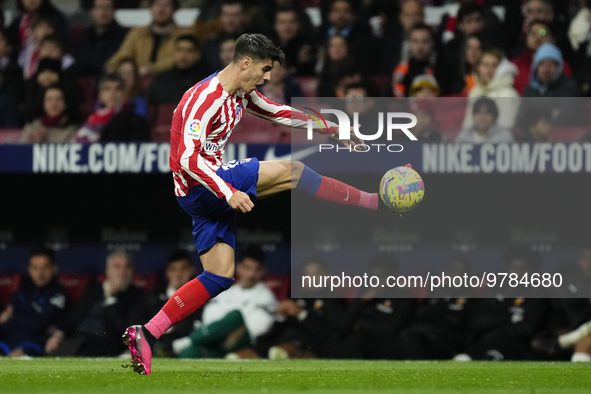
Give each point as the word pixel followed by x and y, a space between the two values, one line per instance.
pixel 233 320
pixel 494 79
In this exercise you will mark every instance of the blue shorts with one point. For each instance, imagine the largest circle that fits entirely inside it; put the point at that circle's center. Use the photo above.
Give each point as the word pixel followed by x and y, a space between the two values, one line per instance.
pixel 213 219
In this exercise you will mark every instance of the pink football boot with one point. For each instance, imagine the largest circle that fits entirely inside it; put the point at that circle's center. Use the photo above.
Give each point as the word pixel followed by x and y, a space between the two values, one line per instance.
pixel 141 353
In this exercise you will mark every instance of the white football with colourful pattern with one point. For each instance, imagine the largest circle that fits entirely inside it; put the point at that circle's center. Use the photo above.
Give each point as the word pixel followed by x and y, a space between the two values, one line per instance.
pixel 402 189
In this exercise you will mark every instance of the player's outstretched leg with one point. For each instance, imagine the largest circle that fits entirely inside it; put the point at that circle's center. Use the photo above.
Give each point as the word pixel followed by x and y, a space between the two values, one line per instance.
pixel 277 176
pixel 184 302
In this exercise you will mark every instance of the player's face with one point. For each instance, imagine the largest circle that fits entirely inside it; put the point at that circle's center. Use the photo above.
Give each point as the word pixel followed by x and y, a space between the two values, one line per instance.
pixel 41 270
pixel 250 272
pixel 257 74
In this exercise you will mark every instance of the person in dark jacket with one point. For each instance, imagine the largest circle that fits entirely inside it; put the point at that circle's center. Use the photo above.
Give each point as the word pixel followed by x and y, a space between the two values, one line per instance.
pixel 169 86
pixel 35 309
pixel 101 40
pixel 371 325
pixel 307 324
pixel 115 120
pixel 547 77
pixel 179 271
pixel 93 328
pixel 9 114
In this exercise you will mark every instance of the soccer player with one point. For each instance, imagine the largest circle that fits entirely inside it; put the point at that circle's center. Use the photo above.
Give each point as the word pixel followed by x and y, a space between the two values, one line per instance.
pixel 211 192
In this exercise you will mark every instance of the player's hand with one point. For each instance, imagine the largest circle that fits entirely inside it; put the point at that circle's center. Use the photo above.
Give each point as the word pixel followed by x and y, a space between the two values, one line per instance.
pixel 353 142
pixel 240 201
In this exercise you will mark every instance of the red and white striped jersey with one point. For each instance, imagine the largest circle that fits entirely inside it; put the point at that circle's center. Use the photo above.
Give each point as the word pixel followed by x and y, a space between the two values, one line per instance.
pixel 202 123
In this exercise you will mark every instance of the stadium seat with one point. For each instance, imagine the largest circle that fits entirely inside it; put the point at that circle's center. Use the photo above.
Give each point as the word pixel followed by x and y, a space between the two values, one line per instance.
pixel 162 122
pixel 9 136
pixel 74 285
pixel 279 285
pixel 145 282
pixel 8 285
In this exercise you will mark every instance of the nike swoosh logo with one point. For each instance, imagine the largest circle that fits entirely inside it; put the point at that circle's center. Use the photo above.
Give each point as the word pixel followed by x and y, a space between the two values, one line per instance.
pixel 298 155
pixel 223 123
pixel 347 199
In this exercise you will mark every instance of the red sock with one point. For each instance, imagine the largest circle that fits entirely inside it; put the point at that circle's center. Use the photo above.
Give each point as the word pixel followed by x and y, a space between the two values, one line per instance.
pixel 183 303
pixel 336 191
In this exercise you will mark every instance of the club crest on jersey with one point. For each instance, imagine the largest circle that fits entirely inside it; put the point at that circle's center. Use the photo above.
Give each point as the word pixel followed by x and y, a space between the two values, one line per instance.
pixel 193 129
pixel 239 111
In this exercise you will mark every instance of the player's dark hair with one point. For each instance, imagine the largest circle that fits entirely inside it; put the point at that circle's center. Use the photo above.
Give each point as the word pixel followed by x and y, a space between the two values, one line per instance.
pixel 178 255
pixel 422 26
pixel 175 4
pixel 469 9
pixel 258 47
pixel 488 104
pixel 44 251
pixel 111 77
pixel 254 253
pixel 190 38
pixel 548 26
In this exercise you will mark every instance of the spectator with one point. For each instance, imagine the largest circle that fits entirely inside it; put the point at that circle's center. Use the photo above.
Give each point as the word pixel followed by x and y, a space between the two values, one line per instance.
pixel 236 318
pixel 93 328
pixel 299 49
pixel 226 51
pixel 395 38
pixel 35 309
pixel 52 47
pixel 116 119
pixel 422 60
pixel 484 129
pixel 425 129
pixel 424 86
pixel 169 86
pixel 262 16
pixel 358 100
pixel 179 271
pixel 336 59
pixel 151 46
pixel 580 35
pixel 20 29
pixel 28 58
pixel 544 10
pixel 101 40
pixel 370 326
pixel 11 71
pixel 465 75
pixel 48 73
pixel 495 76
pixel 233 18
pixel 342 20
pixel 502 327
pixel 578 312
pixel 9 113
pixel 134 91
pixel 539 33
pixel 282 86
pixel 438 329
pixel 306 325
pixel 537 127
pixel 55 123
pixel 547 77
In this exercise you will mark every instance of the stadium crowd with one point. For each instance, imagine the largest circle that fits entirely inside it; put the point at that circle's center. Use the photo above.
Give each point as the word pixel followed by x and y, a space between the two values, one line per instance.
pixel 51 314
pixel 63 82
pixel 88 79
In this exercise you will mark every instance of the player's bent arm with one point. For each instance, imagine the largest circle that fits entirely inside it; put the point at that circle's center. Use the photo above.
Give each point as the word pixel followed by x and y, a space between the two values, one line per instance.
pixel 241 201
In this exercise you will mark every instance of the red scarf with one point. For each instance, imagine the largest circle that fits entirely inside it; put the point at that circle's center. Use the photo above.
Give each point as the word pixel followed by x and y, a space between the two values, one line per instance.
pixel 53 121
pixel 24 30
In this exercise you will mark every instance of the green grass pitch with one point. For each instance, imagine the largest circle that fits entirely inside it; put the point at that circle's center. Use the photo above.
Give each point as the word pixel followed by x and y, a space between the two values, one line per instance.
pixel 49 375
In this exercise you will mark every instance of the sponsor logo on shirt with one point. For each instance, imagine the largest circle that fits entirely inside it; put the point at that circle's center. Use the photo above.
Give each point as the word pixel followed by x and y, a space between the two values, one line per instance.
pixel 193 129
